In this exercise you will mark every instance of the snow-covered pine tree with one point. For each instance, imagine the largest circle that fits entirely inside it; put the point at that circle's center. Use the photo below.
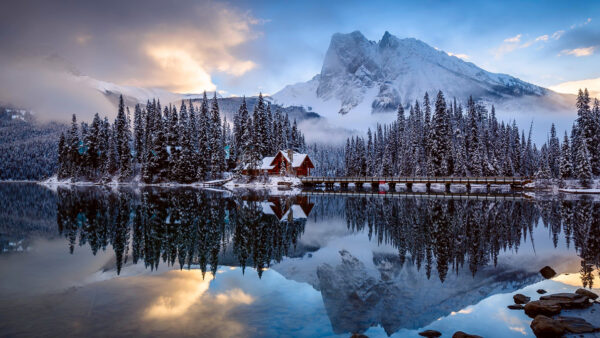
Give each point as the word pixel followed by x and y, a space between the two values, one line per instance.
pixel 440 136
pixel 204 137
pixel 217 159
pixel 583 166
pixel 63 170
pixel 73 148
pixel 123 140
pixel 554 152
pixel 138 133
pixel 566 166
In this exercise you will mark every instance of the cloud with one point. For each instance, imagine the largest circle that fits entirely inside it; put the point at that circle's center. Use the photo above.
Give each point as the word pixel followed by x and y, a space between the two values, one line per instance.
pixel 556 35
pixel 514 39
pixel 571 87
pixel 542 38
pixel 584 51
pixel 179 48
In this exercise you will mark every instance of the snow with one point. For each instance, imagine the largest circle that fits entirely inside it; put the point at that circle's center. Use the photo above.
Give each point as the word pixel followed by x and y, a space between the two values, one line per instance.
pixel 361 77
pixel 580 191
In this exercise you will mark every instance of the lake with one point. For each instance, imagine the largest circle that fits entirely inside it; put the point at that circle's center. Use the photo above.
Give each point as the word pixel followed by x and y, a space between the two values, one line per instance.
pixel 91 261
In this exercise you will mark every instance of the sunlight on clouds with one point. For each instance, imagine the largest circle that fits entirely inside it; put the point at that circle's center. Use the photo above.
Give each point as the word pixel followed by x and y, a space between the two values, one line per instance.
pixel 187 289
pixel 585 51
pixel 571 87
pixel 574 279
pixel 178 301
pixel 180 71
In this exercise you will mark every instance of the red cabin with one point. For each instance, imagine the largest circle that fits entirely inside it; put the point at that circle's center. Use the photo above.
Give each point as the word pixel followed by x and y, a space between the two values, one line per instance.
pixel 283 163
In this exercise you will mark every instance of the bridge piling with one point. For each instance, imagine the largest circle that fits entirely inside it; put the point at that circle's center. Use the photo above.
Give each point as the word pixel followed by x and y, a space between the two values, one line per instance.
pixel 447 187
pixel 374 186
pixel 428 187
pixel 409 187
pixel 392 186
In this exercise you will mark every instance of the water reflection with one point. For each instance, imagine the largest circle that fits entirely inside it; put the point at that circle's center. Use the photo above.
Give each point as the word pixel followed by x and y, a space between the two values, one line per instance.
pixel 186 226
pixel 189 227
pixel 349 264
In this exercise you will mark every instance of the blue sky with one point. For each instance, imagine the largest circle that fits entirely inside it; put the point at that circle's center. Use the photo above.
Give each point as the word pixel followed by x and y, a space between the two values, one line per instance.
pixel 243 47
pixel 499 36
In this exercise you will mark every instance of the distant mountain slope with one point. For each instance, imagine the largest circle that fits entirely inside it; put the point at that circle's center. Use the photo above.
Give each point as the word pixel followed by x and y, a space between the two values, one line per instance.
pixel 365 77
pixel 28 149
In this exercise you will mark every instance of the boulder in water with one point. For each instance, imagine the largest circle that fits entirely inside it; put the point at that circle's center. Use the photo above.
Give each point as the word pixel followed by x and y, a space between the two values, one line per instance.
pixel 547 272
pixel 521 299
pixel 430 333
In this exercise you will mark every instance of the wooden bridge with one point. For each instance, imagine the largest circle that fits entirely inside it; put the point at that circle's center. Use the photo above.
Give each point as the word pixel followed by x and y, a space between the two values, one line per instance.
pixel 391 181
pixel 415 195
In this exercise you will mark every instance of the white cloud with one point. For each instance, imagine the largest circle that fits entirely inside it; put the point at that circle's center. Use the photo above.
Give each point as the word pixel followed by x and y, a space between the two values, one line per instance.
pixel 514 39
pixel 571 87
pixel 556 35
pixel 542 38
pixel 584 51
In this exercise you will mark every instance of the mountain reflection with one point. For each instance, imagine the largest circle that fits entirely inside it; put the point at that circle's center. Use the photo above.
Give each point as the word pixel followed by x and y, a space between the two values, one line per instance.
pixel 193 227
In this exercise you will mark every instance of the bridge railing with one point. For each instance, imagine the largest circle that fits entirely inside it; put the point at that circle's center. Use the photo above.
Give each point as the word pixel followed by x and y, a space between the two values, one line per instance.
pixel 415 179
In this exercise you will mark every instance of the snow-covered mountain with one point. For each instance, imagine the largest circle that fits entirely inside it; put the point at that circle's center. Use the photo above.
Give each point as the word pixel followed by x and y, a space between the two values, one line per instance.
pixel 362 77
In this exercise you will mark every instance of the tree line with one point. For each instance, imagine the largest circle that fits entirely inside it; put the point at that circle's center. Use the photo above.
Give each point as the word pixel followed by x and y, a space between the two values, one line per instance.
pixel 169 145
pixel 451 141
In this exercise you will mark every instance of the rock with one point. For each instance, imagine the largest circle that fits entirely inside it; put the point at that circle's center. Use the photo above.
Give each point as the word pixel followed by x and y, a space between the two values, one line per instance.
pixel 460 334
pixel 587 293
pixel 575 324
pixel 516 307
pixel 547 272
pixel 568 300
pixel 543 326
pixel 359 335
pixel 541 291
pixel 430 333
pixel 521 299
pixel 542 307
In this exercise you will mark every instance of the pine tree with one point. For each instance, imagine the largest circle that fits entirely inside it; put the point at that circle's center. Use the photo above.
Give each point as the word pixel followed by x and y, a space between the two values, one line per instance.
pixel 73 148
pixel 217 151
pixel 204 139
pixel 63 170
pixel 583 167
pixel 566 166
pixel 123 140
pixel 138 133
pixel 554 152
pixel 439 146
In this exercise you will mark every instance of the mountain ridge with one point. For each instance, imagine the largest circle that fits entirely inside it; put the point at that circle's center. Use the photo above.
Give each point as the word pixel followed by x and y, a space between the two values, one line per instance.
pixel 359 74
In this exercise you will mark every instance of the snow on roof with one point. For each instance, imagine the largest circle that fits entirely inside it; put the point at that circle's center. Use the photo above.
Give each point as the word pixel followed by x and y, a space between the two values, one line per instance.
pixel 267 208
pixel 267 163
pixel 298 159
pixel 298 212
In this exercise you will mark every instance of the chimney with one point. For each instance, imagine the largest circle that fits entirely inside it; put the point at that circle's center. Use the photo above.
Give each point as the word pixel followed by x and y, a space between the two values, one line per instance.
pixel 290 154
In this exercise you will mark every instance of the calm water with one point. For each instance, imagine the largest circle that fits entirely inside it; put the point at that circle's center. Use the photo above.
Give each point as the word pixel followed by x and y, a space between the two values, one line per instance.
pixel 185 262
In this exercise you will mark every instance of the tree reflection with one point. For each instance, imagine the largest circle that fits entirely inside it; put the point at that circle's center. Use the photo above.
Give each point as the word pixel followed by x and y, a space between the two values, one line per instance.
pixel 186 226
pixel 202 228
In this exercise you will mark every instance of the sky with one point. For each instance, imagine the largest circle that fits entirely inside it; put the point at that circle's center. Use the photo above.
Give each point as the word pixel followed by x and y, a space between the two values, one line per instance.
pixel 242 47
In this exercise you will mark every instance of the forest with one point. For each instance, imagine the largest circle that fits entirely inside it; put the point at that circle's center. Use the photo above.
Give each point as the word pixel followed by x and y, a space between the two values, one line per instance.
pixel 166 145
pixel 447 140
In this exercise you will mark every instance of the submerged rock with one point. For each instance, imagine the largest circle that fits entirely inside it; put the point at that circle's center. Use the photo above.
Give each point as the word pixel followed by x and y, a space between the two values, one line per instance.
pixel 544 326
pixel 568 300
pixel 575 324
pixel 586 293
pixel 541 291
pixel 430 333
pixel 516 307
pixel 547 272
pixel 521 299
pixel 541 307
pixel 460 334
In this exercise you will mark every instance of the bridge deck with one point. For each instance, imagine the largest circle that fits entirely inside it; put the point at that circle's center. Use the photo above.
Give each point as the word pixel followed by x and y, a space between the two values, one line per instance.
pixel 416 195
pixel 417 180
